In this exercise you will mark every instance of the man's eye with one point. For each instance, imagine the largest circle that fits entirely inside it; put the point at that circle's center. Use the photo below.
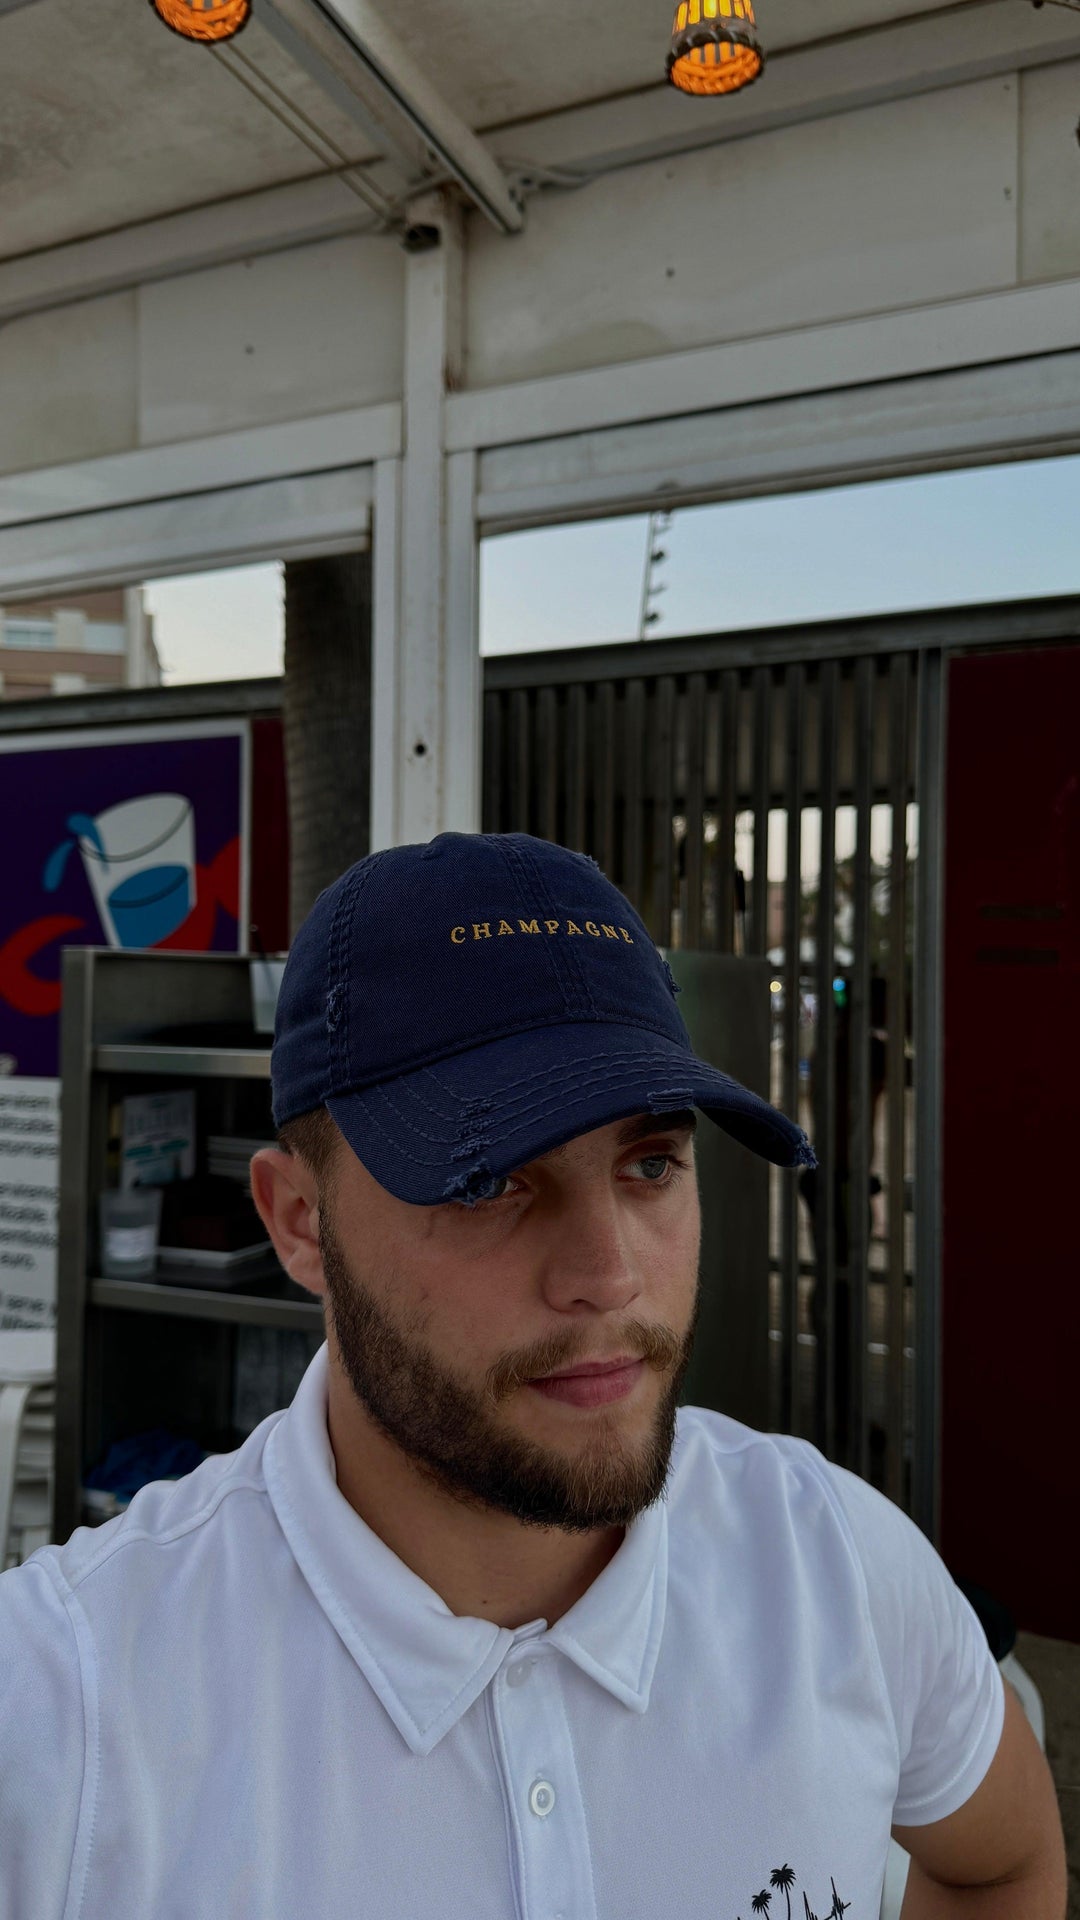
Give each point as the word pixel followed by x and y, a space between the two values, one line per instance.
pixel 655 1166
pixel 503 1189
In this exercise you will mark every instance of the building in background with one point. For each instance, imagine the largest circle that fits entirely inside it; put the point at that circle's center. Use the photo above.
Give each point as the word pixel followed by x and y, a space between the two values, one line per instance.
pixel 93 641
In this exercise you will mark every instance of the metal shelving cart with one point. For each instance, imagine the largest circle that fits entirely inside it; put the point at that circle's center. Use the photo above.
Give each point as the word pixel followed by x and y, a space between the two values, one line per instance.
pixel 141 1354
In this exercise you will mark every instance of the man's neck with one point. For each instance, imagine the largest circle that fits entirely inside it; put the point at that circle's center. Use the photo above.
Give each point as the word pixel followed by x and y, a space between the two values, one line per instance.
pixel 483 1564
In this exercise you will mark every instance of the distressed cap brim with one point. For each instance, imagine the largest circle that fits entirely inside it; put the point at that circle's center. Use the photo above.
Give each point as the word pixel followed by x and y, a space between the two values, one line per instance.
pixel 452 1131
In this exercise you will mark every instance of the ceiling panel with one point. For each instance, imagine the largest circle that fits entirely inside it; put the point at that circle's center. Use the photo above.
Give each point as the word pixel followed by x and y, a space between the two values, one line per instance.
pixel 106 118
pixel 506 63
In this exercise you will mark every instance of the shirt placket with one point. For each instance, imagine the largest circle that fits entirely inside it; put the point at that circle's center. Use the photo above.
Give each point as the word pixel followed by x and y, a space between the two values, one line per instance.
pixel 543 1791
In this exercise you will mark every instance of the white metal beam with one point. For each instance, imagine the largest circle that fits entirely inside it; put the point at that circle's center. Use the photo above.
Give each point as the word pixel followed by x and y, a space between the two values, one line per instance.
pixel 321 208
pixel 977 416
pixel 314 514
pixel 464 687
pixel 403 107
pixel 426 707
pixel 356 437
pixel 951 333
pixel 385 677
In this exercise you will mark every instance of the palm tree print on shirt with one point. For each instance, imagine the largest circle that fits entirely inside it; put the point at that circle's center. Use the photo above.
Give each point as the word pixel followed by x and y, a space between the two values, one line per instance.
pixel 783 1879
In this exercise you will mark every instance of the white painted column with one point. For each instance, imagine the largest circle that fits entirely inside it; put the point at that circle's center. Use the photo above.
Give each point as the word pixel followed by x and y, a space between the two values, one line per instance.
pixel 426 683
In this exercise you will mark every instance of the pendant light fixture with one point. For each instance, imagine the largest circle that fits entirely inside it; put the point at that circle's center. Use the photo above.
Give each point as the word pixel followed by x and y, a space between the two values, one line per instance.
pixel 714 46
pixel 203 19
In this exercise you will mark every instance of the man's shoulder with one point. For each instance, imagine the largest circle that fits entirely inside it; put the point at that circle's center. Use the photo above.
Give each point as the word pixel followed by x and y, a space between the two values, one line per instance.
pixel 704 1435
pixel 717 1458
pixel 165 1514
pixel 772 1470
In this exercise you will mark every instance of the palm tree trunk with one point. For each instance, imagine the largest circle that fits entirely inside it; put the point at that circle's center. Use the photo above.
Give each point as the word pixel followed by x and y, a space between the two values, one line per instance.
pixel 326 706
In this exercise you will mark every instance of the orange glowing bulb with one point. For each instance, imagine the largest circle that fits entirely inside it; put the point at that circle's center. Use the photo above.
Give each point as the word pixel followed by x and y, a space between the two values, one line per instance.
pixel 203 19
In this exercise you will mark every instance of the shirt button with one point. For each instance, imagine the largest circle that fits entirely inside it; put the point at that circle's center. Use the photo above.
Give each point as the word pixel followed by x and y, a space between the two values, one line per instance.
pixel 517 1675
pixel 541 1798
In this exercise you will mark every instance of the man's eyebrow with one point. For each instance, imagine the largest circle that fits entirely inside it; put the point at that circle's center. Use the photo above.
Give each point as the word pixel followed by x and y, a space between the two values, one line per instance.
pixel 641 1127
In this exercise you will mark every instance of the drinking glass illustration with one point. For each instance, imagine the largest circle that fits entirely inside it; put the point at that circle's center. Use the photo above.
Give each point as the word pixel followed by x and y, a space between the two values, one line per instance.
pixel 140 861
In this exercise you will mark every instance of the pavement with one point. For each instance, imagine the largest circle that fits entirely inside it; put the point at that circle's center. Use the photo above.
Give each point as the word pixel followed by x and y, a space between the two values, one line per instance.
pixel 1054 1665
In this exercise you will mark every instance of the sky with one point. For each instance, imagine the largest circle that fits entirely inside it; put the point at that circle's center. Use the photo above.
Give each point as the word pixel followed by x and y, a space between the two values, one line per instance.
pixel 984 534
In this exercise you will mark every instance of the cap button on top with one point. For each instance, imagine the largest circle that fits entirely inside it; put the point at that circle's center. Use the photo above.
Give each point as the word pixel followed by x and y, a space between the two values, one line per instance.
pixel 517 1675
pixel 541 1798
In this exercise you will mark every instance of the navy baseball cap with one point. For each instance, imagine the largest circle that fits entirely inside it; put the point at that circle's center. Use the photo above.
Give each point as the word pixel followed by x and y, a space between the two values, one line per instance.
pixel 463 1006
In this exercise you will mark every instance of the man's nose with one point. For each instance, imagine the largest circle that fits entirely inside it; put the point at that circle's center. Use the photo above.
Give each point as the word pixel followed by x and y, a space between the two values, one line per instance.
pixel 589 1261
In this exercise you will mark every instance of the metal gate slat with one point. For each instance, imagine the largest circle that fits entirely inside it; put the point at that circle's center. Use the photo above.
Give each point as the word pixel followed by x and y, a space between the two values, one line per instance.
pixel 762 749
pixel 825 1065
pixel 861 1143
pixel 729 696
pixel 603 759
pixel 633 860
pixel 695 808
pixel 547 764
pixel 662 731
pixel 493 785
pixel 519 783
pixel 795 679
pixel 575 768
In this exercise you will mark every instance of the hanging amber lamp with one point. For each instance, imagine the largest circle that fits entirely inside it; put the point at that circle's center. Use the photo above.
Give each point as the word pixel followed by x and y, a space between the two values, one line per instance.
pixel 203 19
pixel 714 46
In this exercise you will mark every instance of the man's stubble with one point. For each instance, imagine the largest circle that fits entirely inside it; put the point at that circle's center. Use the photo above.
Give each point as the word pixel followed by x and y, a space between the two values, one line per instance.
pixel 451 1432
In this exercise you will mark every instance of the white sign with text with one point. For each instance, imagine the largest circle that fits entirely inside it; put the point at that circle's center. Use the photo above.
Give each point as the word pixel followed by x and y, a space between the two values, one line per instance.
pixel 29 1201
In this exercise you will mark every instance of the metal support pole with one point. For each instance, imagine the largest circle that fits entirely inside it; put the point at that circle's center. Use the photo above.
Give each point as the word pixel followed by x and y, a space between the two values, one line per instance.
pixel 426 693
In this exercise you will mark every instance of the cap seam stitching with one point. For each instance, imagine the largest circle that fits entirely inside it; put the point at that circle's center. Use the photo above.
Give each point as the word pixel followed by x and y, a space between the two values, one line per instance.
pixel 522 1081
pixel 583 992
pixel 643 1064
pixel 538 1110
pixel 339 940
pixel 519 865
pixel 503 1032
pixel 435 1139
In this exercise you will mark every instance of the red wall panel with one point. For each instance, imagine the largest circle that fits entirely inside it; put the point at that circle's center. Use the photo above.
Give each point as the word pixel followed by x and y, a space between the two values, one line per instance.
pixel 269 838
pixel 1011 1258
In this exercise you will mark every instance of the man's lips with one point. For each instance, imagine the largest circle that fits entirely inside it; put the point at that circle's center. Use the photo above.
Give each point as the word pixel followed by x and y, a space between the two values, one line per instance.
pixel 593 1383
pixel 587 1367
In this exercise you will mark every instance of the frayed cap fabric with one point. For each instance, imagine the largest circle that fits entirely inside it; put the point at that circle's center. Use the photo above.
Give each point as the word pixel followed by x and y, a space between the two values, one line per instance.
pixel 465 1005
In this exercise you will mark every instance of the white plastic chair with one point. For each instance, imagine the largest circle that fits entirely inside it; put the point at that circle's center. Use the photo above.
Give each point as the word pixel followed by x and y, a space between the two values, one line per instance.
pixel 27 1398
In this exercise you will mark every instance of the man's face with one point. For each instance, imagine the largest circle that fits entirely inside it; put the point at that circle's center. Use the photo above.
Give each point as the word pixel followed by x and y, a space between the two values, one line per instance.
pixel 445 1318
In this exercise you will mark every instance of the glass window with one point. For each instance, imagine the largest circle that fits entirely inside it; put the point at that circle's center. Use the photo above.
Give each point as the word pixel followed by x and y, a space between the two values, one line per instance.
pixel 982 534
pixel 28 633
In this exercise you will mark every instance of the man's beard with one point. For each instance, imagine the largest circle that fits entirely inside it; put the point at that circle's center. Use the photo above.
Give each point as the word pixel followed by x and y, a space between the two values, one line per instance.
pixel 449 1430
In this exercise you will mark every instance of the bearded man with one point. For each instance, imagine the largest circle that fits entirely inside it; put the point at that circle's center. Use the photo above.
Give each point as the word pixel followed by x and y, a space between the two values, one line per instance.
pixel 484 1625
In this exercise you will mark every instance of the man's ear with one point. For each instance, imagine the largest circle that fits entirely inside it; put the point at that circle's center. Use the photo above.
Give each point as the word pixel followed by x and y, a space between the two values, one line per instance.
pixel 287 1197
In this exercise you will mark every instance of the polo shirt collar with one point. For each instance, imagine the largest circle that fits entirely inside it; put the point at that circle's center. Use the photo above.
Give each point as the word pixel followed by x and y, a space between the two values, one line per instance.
pixel 426 1664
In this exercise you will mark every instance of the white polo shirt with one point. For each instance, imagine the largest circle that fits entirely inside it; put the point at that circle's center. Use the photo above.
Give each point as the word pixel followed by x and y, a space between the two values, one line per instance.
pixel 233 1702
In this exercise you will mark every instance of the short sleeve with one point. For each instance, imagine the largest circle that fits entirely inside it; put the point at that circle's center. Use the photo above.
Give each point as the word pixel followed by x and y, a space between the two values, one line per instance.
pixel 42 1744
pixel 944 1685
